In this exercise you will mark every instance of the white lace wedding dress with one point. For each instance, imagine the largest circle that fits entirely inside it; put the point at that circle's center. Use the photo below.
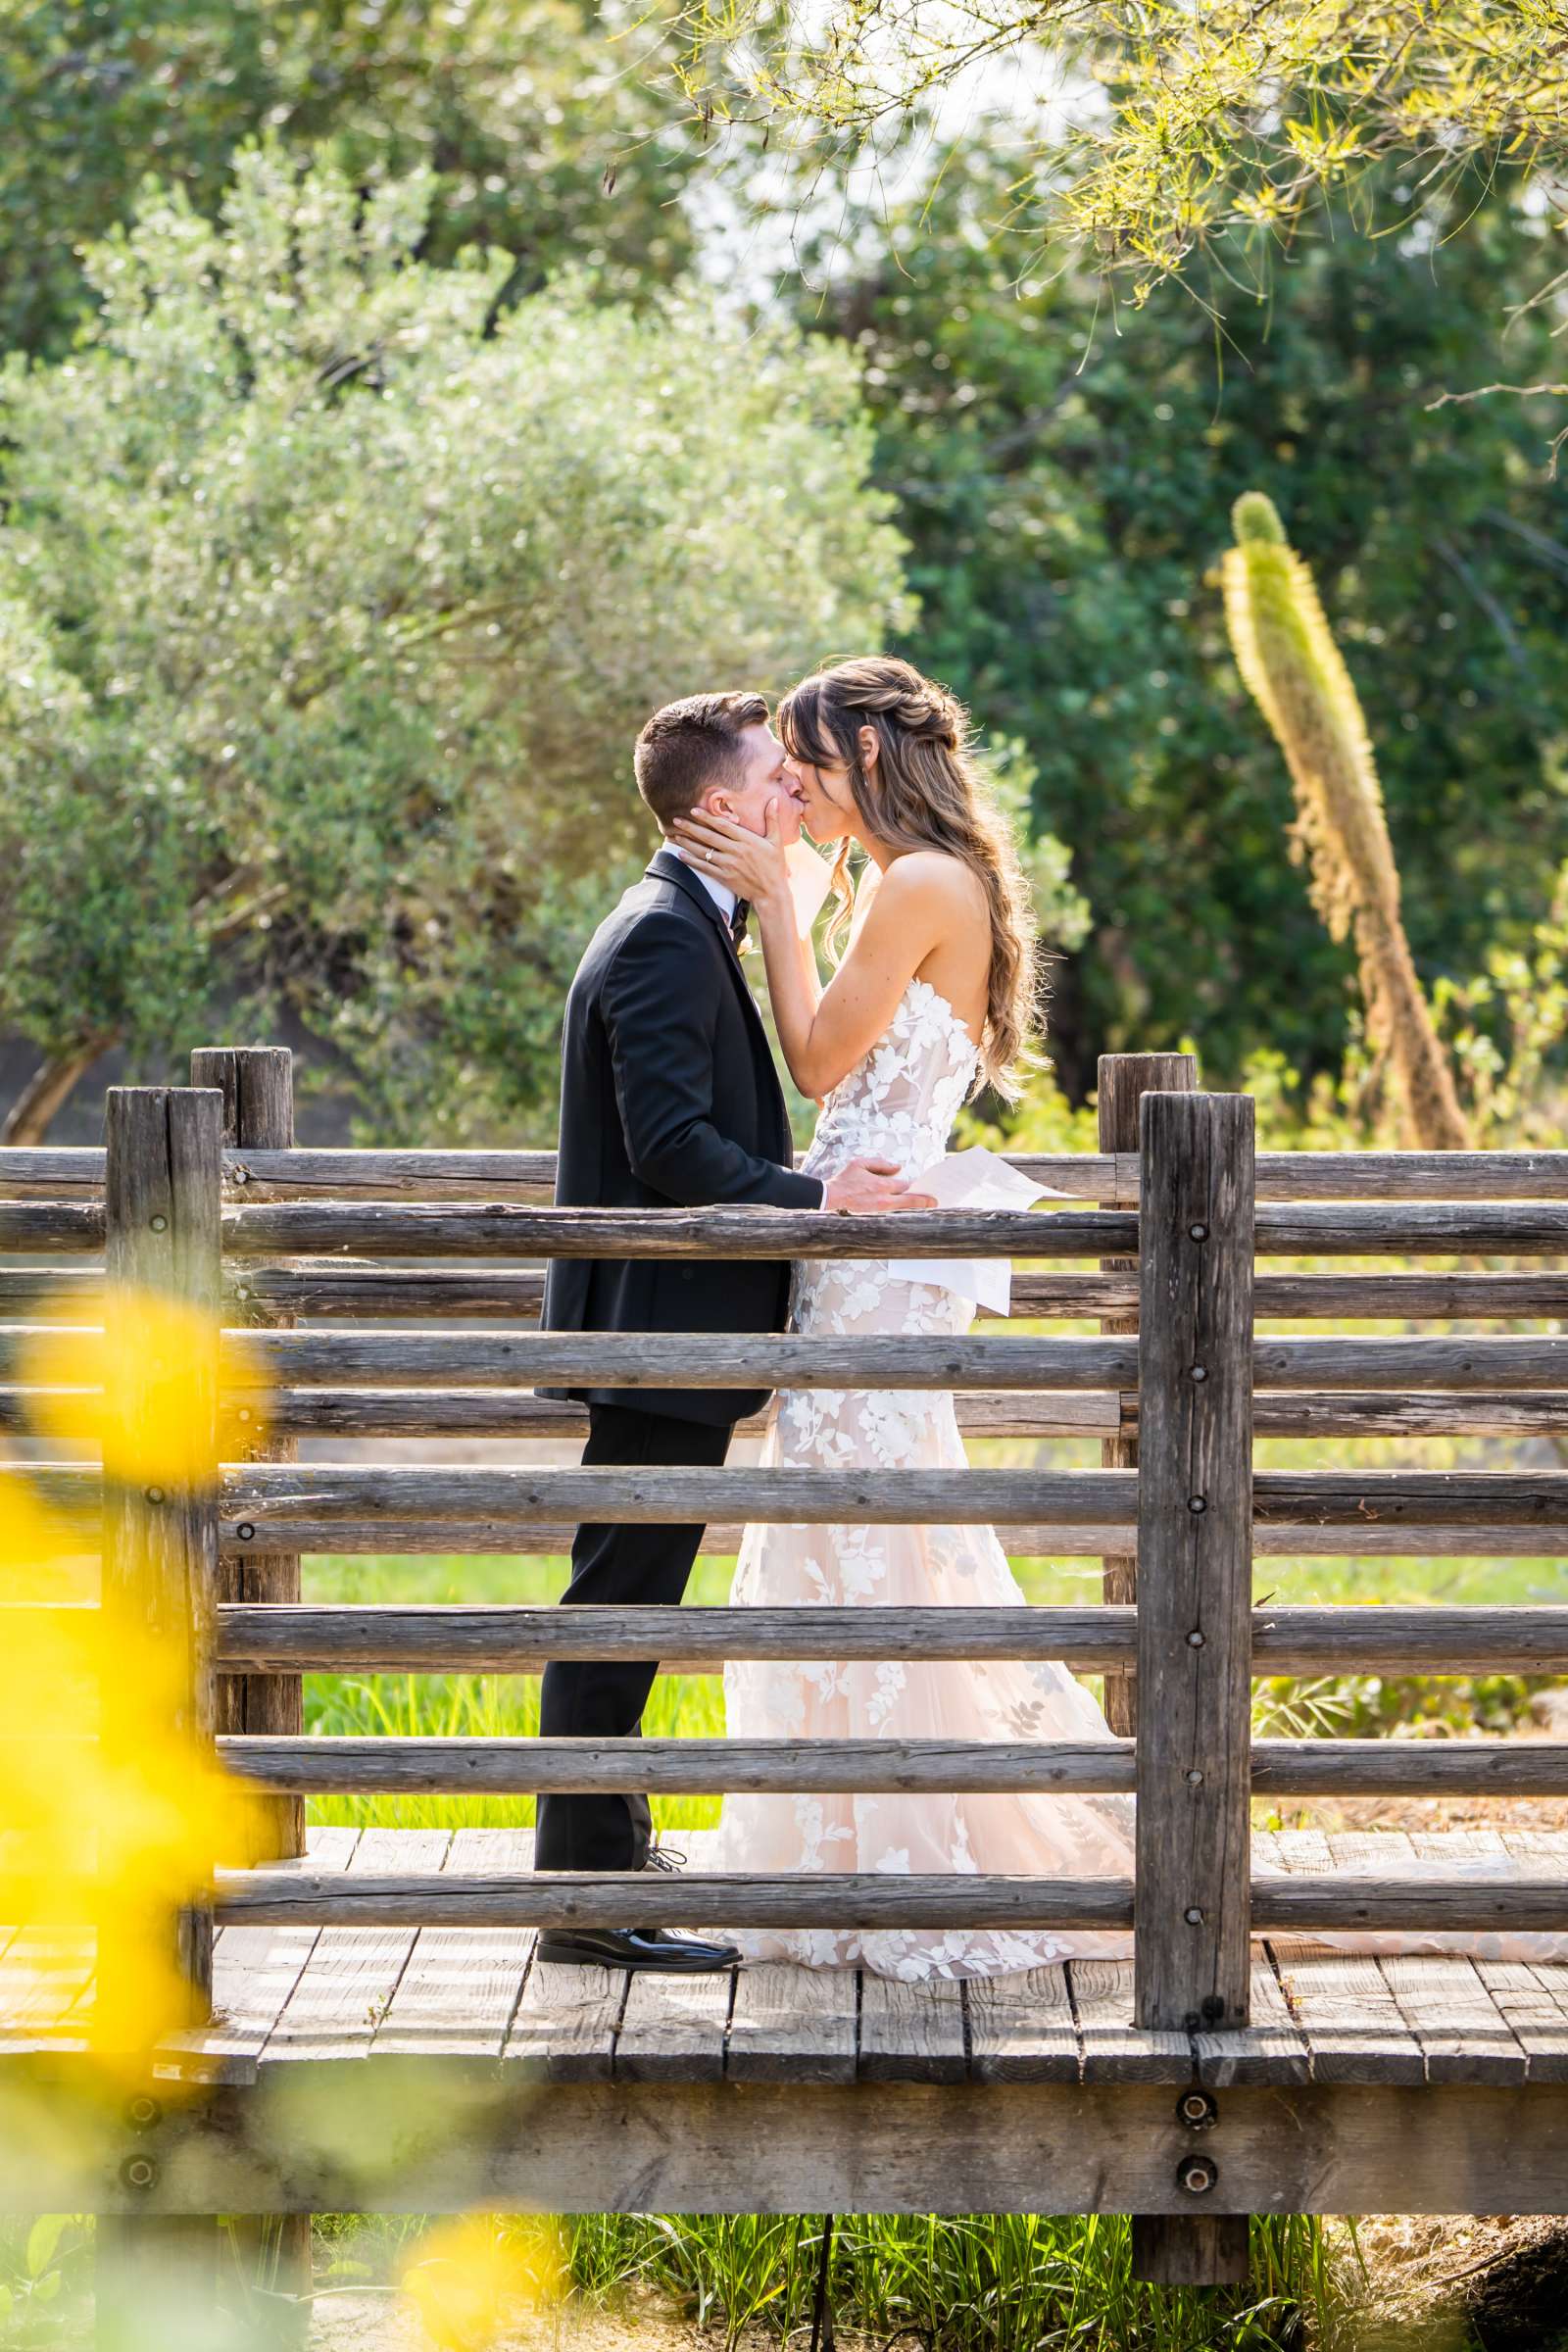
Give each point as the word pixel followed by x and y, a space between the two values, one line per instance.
pixel 899 1104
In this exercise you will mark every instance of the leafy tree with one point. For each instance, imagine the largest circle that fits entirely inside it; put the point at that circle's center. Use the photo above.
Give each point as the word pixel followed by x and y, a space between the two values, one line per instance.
pixel 1065 477
pixel 551 125
pixel 327 616
pixel 1173 125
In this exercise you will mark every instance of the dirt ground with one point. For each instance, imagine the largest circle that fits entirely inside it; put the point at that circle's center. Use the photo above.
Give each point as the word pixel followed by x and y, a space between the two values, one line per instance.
pixel 361 2321
pixel 1446 2283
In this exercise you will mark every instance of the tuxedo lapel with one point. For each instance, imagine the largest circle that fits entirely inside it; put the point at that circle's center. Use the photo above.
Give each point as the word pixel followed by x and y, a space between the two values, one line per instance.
pixel 668 867
pixel 665 867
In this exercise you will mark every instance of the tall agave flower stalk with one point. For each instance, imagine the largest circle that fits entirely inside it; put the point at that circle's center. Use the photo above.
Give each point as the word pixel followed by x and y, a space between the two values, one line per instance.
pixel 1295 672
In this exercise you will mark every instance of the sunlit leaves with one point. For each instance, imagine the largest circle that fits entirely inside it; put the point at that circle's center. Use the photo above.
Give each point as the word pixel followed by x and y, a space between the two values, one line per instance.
pixel 1173 123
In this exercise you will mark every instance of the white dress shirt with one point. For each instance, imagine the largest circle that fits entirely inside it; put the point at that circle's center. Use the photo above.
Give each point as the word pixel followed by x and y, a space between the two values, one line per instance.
pixel 725 900
pixel 720 893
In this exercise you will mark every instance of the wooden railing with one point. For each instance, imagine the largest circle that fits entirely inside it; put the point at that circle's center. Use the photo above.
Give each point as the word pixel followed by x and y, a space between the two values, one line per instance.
pixel 420 1237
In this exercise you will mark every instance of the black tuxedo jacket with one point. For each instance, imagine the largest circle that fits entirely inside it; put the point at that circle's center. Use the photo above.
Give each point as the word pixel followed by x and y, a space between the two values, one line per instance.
pixel 669 1099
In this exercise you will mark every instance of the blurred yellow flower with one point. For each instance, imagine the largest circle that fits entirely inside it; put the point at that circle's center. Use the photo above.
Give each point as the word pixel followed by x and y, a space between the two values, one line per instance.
pixel 143 1394
pixel 473 2277
pixel 116 1809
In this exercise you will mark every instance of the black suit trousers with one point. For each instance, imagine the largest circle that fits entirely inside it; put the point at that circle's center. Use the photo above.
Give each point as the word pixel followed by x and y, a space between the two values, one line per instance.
pixel 617 1567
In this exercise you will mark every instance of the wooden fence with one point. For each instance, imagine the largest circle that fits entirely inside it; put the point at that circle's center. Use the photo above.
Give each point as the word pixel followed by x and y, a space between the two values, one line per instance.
pixel 201 1190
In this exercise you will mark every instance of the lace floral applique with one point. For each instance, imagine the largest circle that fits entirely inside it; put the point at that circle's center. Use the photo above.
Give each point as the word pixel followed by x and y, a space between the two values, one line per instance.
pixel 899 1104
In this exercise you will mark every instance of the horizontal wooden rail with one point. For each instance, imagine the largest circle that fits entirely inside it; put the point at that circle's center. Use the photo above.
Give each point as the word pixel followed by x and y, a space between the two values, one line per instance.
pixel 58 1294
pixel 411 1293
pixel 710 1361
pixel 401 1229
pixel 479 1638
pixel 1343 1499
pixel 1432 1640
pixel 1295 1229
pixel 1406 1365
pixel 1297 1905
pixel 516 1412
pixel 707 1360
pixel 559 1899
pixel 1292 1905
pixel 316 1359
pixel 804 1498
pixel 1403 1296
pixel 400 1638
pixel 396 1293
pixel 71 1228
pixel 305 1172
pixel 465 1637
pixel 1362 1413
pixel 370 1508
pixel 329 1507
pixel 521 1767
pixel 414 1538
pixel 1408 1176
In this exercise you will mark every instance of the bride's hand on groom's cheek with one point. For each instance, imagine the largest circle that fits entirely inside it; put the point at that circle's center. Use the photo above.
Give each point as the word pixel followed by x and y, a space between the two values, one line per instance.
pixel 751 864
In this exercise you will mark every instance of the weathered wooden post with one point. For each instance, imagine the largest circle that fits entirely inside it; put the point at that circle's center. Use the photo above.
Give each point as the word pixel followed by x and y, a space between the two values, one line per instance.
pixel 163 1207
pixel 256 1085
pixel 1123 1081
pixel 1194 1559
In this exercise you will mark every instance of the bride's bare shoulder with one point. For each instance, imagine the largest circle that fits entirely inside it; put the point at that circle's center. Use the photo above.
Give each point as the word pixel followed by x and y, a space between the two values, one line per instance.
pixel 937 877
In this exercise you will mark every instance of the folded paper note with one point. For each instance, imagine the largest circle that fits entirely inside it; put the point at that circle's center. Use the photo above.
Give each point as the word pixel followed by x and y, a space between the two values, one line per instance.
pixel 972 1179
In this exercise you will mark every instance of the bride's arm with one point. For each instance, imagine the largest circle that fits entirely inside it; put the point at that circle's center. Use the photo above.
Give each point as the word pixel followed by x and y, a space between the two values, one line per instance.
pixel 825 1032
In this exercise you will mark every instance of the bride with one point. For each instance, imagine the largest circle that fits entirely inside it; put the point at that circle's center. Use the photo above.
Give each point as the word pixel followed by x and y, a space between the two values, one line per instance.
pixel 933 996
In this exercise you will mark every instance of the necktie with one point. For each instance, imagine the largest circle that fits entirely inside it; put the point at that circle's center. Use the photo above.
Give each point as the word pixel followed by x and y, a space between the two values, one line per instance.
pixel 737 921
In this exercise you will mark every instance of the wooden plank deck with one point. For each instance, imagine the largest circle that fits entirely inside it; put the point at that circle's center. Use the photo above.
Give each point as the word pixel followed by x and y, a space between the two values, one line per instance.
pixel 289 1996
pixel 1317 2014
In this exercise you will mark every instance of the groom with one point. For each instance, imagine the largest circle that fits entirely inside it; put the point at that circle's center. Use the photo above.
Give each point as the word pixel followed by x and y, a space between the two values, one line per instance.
pixel 668 1099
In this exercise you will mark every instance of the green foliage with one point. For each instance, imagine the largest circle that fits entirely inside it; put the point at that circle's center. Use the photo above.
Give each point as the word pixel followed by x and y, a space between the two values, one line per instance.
pixel 1063 913
pixel 44 2265
pixel 1208 120
pixel 1065 480
pixel 329 609
pixel 525 107
pixel 1243 112
pixel 1379 1706
pixel 1508 1026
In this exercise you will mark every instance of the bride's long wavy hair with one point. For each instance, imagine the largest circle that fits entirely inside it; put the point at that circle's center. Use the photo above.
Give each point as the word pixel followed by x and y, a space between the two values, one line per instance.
pixel 927 793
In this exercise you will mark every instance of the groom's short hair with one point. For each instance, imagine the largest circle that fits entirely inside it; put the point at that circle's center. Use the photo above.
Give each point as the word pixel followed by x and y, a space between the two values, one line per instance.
pixel 690 745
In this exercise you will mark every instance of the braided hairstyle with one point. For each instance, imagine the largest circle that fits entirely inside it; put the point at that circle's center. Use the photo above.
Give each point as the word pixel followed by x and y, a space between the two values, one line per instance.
pixel 927 793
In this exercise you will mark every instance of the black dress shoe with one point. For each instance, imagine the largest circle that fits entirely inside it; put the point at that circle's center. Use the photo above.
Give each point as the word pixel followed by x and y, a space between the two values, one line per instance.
pixel 636 1948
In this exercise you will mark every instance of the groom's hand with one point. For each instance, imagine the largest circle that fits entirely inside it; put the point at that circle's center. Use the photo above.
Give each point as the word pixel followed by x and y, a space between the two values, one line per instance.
pixel 870 1187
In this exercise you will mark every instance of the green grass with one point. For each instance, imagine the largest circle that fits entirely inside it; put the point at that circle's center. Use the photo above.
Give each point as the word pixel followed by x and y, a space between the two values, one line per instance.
pixel 977 2283
pixel 999 2283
